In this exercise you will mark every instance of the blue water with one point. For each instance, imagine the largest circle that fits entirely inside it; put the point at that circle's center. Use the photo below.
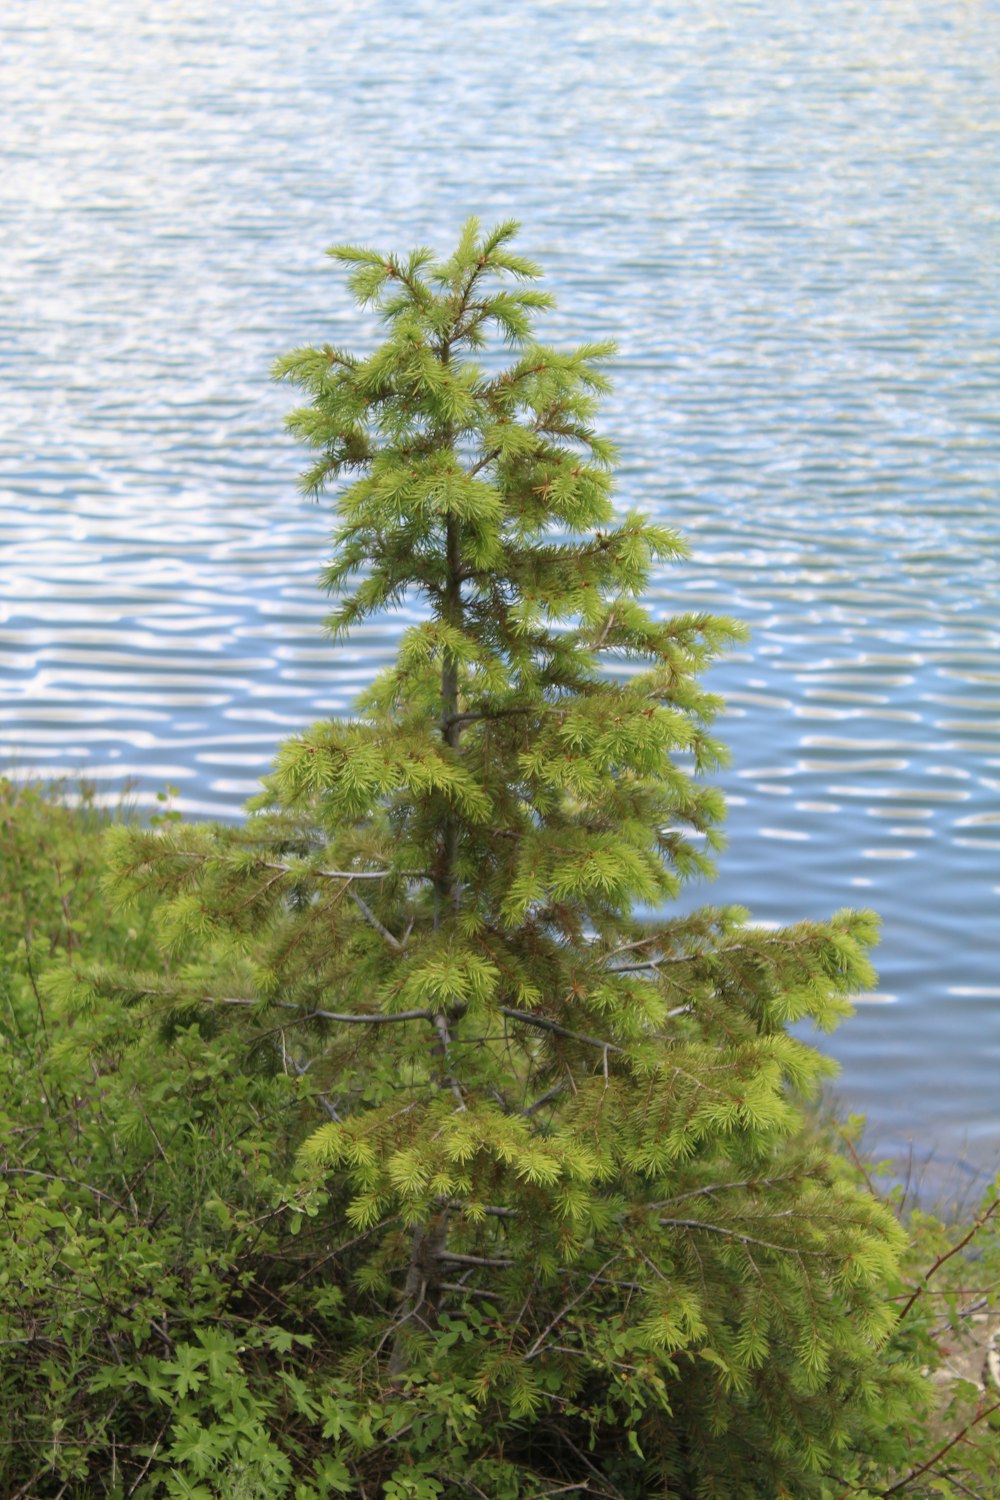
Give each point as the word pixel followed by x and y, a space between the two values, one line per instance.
pixel 788 218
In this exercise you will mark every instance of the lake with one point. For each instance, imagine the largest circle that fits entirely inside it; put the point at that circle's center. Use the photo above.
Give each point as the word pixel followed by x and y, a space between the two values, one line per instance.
pixel 789 218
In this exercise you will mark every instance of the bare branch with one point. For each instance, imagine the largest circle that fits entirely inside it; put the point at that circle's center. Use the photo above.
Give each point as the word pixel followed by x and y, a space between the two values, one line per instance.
pixel 269 864
pixel 645 942
pixel 735 1234
pixel 969 1311
pixel 687 958
pixel 429 1240
pixel 6 1171
pixel 486 1208
pixel 152 1454
pixel 373 921
pixel 453 1257
pixel 539 1343
pixel 540 1103
pixel 727 1187
pixel 498 713
pixel 377 1018
pixel 349 875
pixel 303 1068
pixel 541 1023
pixel 608 624
pixel 607 1488
pixel 315 1266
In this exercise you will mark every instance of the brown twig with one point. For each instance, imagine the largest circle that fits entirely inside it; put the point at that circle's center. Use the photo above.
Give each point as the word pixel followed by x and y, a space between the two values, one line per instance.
pixel 901 1484
pixel 539 1343
pixel 984 1218
pixel 152 1454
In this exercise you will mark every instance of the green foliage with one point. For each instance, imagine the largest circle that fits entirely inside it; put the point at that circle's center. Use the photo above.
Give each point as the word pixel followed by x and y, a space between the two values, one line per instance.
pixel 137 1169
pixel 415 1158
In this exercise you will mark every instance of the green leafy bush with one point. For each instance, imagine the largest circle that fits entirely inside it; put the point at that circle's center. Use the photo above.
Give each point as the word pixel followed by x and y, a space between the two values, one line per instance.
pixel 144 1342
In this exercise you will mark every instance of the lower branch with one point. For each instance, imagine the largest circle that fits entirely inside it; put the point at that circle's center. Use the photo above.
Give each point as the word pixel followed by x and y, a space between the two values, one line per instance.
pixel 373 921
pixel 735 1234
pixel 541 1023
pixel 377 1018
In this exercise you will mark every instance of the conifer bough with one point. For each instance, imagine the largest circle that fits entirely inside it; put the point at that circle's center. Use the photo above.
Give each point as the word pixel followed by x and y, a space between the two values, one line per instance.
pixel 581 1237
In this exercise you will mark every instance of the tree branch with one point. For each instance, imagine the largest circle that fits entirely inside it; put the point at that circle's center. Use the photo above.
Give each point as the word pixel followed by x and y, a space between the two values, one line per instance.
pixel 373 921
pixel 687 958
pixel 441 1027
pixel 477 717
pixel 487 1208
pixel 727 1187
pixel 378 1018
pixel 429 1240
pixel 986 1215
pixel 301 1069
pixel 980 1416
pixel 465 1291
pixel 453 1257
pixel 735 1234
pixel 553 1093
pixel 6 1171
pixel 608 624
pixel 283 869
pixel 527 1018
pixel 539 1343
pixel 152 1454
pixel 330 874
pixel 608 1488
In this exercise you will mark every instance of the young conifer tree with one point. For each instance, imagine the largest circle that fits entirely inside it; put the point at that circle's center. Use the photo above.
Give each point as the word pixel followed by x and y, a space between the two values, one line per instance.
pixel 576 1232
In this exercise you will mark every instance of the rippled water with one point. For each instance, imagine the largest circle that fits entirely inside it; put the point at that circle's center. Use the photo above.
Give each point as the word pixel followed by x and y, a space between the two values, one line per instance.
pixel 788 217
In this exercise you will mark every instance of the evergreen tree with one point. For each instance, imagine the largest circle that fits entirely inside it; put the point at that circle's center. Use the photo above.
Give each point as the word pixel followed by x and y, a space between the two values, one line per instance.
pixel 573 1242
